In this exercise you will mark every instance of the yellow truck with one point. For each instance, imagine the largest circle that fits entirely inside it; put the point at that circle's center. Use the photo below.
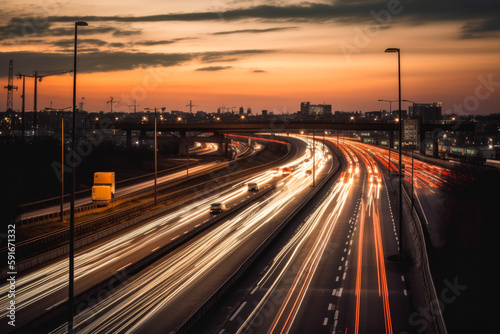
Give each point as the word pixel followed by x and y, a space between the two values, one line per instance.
pixel 104 188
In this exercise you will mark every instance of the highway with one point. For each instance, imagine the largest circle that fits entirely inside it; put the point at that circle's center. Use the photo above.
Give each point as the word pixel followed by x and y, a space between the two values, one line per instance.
pixel 43 288
pixel 328 273
pixel 161 297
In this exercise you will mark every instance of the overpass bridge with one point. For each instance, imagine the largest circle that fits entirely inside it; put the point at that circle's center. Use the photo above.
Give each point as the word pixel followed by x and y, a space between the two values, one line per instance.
pixel 277 125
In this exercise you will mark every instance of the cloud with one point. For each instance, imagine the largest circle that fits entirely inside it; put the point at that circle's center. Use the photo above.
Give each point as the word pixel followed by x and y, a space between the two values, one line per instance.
pixel 66 43
pixel 252 31
pixel 475 15
pixel 218 56
pixel 162 42
pixel 213 68
pixel 92 60
pixel 479 18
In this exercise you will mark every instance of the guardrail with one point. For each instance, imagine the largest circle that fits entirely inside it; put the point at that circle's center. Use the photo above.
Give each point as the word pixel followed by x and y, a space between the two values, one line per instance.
pixel 419 244
pixel 196 315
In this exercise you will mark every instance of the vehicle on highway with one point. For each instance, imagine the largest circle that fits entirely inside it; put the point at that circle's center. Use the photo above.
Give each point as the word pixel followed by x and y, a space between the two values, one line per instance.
pixel 104 188
pixel 252 186
pixel 101 195
pixel 308 172
pixel 217 207
pixel 276 171
pixel 286 171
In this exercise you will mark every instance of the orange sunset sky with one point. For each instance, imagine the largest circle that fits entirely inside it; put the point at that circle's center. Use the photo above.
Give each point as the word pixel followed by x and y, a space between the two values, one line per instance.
pixel 258 54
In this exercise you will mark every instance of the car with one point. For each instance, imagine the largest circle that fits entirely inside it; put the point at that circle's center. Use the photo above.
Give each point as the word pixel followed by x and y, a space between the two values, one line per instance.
pixel 286 171
pixel 217 207
pixel 308 172
pixel 252 186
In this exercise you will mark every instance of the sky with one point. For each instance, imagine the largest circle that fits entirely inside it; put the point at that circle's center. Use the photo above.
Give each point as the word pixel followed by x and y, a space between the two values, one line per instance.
pixel 256 54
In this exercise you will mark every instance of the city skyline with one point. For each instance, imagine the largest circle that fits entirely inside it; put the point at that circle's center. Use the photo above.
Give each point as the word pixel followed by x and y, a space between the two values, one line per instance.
pixel 256 54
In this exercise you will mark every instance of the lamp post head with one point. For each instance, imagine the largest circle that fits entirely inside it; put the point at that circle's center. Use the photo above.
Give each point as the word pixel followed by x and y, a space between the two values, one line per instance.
pixel 81 23
pixel 392 50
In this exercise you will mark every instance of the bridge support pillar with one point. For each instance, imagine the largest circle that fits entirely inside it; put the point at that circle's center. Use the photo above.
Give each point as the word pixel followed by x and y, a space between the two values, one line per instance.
pixel 391 139
pixel 128 140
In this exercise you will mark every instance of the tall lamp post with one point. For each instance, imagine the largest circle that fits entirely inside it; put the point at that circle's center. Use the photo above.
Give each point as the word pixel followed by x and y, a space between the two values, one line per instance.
pixel 394 50
pixel 72 203
pixel 156 154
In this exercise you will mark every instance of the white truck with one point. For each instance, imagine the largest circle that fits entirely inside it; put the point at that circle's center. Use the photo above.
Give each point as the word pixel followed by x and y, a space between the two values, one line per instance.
pixel 104 188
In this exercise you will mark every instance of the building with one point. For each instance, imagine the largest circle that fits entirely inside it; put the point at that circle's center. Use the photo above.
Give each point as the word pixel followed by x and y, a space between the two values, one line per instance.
pixel 410 131
pixel 314 110
pixel 426 112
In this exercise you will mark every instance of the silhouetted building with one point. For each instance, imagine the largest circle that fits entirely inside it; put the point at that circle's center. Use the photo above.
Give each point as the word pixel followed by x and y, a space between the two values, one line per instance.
pixel 264 112
pixel 426 111
pixel 308 109
pixel 373 114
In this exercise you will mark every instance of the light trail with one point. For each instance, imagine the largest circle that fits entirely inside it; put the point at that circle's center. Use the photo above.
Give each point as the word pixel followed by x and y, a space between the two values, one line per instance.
pixel 135 304
pixel 324 219
pixel 45 281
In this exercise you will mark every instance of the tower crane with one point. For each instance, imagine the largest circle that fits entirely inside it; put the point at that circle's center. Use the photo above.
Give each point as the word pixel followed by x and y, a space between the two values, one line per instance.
pixel 191 105
pixel 135 105
pixel 10 87
pixel 111 102
pixel 38 75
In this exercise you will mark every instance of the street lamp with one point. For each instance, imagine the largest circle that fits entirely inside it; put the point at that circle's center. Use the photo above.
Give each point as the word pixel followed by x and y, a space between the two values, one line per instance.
pixel 156 153
pixel 72 203
pixel 394 50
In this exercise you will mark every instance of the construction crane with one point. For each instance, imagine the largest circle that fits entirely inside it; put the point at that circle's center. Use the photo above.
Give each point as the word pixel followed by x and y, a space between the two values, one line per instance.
pixel 10 87
pixel 38 75
pixel 191 105
pixel 111 103
pixel 135 105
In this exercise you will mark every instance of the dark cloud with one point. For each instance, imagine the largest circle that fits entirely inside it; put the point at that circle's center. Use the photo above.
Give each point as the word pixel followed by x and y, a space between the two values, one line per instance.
pixel 252 31
pixel 213 68
pixel 65 43
pixel 475 15
pixel 23 28
pixel 478 17
pixel 162 42
pixel 214 56
pixel 259 71
pixel 92 60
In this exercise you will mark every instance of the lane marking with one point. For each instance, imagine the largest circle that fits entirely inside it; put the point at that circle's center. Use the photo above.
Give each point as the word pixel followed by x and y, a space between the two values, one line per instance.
pixel 125 266
pixel 237 311
pixel 56 304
